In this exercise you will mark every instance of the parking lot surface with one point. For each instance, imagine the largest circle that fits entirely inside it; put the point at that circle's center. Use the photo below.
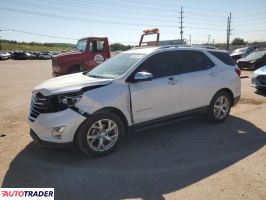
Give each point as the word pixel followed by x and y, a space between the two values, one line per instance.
pixel 190 159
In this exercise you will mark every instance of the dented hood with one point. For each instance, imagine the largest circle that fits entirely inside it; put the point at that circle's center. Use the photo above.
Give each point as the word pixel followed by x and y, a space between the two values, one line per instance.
pixel 69 83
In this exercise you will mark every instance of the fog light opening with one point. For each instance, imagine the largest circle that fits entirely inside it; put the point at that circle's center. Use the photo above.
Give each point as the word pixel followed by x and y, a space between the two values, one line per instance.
pixel 58 132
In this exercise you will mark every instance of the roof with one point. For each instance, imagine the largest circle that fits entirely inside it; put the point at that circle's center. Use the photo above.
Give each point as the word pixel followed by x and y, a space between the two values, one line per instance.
pixel 147 50
pixel 86 38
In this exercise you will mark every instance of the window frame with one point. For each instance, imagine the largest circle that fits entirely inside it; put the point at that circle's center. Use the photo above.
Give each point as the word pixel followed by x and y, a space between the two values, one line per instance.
pixel 179 61
pixel 150 57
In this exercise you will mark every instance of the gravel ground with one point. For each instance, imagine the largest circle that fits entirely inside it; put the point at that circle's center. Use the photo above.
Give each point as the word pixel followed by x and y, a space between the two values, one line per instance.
pixel 191 159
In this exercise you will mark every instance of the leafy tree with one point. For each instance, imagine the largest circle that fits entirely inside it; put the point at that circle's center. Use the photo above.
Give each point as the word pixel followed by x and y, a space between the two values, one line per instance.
pixel 238 41
pixel 119 47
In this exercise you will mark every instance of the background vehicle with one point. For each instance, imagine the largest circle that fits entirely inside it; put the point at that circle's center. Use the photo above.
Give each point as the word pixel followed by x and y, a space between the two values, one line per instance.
pixel 137 88
pixel 4 56
pixel 23 56
pixel 241 53
pixel 45 55
pixel 259 78
pixel 147 32
pixel 88 53
pixel 253 61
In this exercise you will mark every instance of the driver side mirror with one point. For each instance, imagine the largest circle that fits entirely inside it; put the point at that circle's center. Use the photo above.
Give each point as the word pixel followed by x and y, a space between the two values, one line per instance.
pixel 143 76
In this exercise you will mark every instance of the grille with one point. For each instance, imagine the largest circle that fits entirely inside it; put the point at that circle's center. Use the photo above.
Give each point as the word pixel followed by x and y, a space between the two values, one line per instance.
pixel 39 104
pixel 262 79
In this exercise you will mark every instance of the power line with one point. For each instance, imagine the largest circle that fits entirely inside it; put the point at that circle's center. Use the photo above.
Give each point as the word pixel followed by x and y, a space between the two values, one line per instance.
pixel 40 34
pixel 84 19
pixel 96 12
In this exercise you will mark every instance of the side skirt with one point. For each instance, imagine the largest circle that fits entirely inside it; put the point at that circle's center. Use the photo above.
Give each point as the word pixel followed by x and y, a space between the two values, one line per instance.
pixel 169 119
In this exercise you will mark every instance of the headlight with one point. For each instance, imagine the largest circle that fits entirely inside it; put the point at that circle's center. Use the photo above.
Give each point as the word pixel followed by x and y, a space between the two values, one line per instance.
pixel 68 101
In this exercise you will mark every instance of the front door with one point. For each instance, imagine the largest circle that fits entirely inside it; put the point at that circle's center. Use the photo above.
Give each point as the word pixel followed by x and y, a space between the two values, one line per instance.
pixel 159 97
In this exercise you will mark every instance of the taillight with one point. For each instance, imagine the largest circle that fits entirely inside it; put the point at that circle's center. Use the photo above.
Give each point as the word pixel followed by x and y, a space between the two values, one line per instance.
pixel 238 71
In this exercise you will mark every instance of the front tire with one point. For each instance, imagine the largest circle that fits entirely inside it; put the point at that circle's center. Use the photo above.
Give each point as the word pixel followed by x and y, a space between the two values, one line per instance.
pixel 101 134
pixel 220 107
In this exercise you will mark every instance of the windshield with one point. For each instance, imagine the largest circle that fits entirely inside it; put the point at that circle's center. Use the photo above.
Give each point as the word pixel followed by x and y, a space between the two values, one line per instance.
pixel 115 66
pixel 81 45
pixel 256 55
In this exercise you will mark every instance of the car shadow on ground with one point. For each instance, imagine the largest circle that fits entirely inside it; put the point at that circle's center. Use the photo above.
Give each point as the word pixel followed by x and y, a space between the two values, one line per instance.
pixel 150 164
pixel 261 92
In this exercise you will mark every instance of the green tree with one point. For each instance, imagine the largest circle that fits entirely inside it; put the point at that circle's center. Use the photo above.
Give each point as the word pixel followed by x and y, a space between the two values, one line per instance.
pixel 238 41
pixel 119 47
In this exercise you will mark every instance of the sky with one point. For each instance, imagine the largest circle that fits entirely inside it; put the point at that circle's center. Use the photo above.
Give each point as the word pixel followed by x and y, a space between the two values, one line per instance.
pixel 124 20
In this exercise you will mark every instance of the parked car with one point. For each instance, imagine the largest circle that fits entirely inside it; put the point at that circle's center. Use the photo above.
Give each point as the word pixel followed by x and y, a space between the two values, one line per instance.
pixel 253 61
pixel 241 53
pixel 45 55
pixel 134 89
pixel 259 78
pixel 22 55
pixel 4 56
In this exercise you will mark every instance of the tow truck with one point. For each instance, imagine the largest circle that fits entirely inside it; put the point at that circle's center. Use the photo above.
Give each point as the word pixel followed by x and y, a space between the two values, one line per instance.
pixel 89 52
pixel 146 32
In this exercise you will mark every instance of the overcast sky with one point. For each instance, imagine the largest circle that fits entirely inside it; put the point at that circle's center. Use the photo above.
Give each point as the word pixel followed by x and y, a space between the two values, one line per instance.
pixel 123 20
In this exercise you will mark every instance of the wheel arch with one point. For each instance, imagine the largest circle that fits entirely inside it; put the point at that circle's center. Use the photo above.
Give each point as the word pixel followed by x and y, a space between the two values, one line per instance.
pixel 227 90
pixel 114 110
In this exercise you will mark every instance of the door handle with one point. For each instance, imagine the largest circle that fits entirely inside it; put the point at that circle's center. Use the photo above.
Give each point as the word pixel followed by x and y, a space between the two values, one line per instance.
pixel 213 74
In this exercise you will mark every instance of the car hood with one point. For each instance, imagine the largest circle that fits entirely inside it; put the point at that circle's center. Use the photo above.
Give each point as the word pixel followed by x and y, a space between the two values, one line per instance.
pixel 260 71
pixel 72 53
pixel 69 83
pixel 237 54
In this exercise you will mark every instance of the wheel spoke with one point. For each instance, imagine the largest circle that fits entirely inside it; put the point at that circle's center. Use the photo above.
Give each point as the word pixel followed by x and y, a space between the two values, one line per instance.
pixel 102 135
pixel 92 140
pixel 100 144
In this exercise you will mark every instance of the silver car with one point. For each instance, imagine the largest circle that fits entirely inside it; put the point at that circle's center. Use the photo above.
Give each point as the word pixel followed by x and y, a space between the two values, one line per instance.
pixel 259 78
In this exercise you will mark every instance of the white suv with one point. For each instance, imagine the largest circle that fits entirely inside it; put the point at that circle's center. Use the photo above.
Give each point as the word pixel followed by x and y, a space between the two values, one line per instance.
pixel 137 88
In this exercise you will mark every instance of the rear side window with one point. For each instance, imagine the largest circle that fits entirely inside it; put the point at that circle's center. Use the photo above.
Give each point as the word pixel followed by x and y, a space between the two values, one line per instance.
pixel 96 46
pixel 224 57
pixel 192 61
pixel 160 64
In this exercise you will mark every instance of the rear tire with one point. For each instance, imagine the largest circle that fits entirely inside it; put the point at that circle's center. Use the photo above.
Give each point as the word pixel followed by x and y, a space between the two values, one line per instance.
pixel 220 107
pixel 100 134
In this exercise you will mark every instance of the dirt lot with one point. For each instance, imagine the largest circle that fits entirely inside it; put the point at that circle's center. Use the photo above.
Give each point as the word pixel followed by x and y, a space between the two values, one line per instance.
pixel 191 159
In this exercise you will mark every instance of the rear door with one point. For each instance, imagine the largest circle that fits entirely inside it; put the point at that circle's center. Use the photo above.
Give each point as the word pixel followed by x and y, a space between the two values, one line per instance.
pixel 159 97
pixel 199 79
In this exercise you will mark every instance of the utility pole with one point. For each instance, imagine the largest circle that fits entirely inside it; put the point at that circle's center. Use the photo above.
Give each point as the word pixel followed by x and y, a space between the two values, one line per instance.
pixel 190 39
pixel 228 31
pixel 213 41
pixel 181 24
pixel 209 37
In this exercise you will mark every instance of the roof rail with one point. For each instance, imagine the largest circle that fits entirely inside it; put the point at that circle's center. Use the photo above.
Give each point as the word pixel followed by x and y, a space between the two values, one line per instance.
pixel 172 46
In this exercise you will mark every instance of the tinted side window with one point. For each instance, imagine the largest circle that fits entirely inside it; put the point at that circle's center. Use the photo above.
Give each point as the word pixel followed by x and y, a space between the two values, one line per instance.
pixel 191 61
pixel 224 57
pixel 160 64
